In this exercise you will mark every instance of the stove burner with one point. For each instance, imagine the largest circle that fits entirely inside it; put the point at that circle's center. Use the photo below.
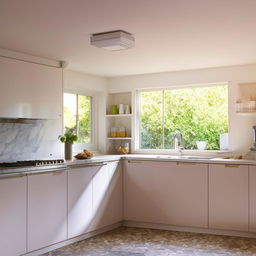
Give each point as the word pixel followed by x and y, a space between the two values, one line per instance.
pixel 32 163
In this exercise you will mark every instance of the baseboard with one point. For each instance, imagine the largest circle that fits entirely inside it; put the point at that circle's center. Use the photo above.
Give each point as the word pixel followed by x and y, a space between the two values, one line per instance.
pixel 188 229
pixel 73 240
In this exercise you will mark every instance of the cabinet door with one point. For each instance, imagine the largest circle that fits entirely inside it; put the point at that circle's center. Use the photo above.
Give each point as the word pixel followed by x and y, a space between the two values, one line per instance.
pixel 252 196
pixel 80 200
pixel 30 90
pixel 47 209
pixel 107 195
pixel 13 216
pixel 166 192
pixel 228 197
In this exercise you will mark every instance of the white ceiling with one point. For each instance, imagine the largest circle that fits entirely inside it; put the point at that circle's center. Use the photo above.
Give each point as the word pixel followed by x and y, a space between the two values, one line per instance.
pixel 170 34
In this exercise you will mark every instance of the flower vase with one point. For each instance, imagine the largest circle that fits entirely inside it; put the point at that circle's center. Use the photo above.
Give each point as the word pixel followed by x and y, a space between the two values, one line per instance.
pixel 68 151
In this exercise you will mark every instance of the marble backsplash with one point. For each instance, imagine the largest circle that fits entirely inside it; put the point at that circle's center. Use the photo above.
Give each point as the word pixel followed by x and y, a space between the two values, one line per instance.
pixel 30 139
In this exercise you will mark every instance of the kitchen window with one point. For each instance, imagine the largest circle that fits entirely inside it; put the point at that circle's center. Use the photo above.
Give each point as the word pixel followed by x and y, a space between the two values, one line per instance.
pixel 198 113
pixel 78 115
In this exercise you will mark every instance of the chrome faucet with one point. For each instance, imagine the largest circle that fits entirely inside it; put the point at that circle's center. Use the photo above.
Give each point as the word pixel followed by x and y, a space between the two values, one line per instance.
pixel 178 142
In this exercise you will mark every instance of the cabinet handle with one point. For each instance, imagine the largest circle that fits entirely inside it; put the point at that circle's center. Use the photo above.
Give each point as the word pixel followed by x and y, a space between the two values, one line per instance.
pixel 56 171
pixel 87 165
pixel 135 162
pixel 232 165
pixel 186 163
pixel 12 175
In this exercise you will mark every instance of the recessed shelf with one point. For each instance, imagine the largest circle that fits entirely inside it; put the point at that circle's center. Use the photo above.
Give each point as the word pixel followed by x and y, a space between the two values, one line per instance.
pixel 119 138
pixel 246 112
pixel 119 115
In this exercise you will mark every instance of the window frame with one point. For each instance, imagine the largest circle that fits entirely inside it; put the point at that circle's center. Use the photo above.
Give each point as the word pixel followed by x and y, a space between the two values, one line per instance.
pixel 79 146
pixel 137 138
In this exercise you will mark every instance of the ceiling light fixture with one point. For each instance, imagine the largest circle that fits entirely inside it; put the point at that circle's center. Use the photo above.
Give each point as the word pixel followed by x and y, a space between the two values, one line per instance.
pixel 113 40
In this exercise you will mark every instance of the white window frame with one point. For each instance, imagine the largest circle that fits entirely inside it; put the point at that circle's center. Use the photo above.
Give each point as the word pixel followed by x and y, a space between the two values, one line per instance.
pixel 79 146
pixel 173 151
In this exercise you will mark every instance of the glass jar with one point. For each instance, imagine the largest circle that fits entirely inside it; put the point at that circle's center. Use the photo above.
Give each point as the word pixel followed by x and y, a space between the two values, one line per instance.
pixel 113 132
pixel 123 149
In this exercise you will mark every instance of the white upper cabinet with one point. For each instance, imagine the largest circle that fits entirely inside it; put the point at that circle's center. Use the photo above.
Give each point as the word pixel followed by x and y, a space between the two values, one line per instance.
pixel 29 90
pixel 228 197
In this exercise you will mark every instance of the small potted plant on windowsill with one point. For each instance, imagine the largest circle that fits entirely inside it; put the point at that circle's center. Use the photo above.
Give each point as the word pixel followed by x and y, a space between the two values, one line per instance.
pixel 68 138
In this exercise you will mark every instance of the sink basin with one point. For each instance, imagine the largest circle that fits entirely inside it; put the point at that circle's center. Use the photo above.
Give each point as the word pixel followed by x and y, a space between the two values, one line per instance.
pixel 196 157
pixel 190 157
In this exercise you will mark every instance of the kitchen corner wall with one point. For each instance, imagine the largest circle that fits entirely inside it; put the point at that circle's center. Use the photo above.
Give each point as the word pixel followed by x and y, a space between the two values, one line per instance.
pixel 240 131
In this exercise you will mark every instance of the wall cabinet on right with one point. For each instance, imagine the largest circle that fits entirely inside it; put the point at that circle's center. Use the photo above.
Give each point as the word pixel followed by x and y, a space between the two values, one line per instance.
pixel 228 197
pixel 252 198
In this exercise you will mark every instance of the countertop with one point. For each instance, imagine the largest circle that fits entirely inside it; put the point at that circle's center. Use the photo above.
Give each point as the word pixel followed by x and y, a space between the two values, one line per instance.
pixel 9 172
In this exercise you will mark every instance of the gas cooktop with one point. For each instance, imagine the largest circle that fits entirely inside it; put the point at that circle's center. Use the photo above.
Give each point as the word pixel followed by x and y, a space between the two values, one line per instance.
pixel 32 163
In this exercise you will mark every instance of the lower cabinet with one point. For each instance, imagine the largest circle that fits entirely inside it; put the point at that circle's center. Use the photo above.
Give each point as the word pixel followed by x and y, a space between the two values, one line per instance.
pixel 47 209
pixel 94 197
pixel 107 195
pixel 13 201
pixel 80 212
pixel 228 197
pixel 252 196
pixel 166 192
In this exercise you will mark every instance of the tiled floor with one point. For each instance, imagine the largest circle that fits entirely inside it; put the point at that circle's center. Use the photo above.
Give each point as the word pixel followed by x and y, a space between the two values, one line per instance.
pixel 148 242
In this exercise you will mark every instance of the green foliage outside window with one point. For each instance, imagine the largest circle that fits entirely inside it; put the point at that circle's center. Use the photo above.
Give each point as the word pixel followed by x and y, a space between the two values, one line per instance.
pixel 198 113
pixel 77 115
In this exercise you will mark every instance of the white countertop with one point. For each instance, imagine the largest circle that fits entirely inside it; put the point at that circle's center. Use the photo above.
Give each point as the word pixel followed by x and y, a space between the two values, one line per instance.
pixel 142 157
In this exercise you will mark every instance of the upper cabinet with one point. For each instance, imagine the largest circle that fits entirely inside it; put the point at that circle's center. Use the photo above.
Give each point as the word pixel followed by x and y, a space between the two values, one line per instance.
pixel 29 90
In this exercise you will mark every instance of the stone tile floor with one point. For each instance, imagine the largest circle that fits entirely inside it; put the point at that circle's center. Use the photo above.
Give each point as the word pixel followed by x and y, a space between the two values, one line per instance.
pixel 126 241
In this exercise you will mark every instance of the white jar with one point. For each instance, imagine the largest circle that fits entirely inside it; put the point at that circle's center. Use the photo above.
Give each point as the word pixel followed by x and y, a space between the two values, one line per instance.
pixel 121 109
pixel 127 109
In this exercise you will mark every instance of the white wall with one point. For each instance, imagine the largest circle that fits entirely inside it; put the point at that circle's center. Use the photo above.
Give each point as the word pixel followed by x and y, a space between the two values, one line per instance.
pixel 239 125
pixel 96 86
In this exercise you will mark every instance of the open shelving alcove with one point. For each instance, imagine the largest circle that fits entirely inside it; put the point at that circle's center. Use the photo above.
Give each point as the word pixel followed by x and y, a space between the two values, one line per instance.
pixel 118 121
pixel 246 102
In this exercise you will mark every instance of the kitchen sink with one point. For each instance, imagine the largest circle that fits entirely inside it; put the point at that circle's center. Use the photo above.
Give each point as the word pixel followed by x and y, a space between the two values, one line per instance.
pixel 190 157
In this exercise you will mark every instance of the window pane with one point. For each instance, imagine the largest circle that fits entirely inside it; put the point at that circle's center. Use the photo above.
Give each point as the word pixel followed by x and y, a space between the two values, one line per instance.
pixel 84 121
pixel 200 114
pixel 151 127
pixel 69 110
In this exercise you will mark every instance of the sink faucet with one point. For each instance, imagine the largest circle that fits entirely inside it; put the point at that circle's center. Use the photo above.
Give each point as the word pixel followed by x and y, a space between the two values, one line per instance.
pixel 178 142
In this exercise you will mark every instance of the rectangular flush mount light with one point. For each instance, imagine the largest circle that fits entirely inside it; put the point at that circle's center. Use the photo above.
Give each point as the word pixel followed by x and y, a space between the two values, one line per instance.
pixel 113 40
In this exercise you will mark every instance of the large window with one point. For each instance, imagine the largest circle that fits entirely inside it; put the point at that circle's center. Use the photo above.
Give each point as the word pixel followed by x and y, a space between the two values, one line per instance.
pixel 199 113
pixel 77 115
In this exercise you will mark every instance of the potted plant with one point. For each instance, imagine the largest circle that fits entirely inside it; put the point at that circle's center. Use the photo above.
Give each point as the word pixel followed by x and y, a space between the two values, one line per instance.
pixel 68 138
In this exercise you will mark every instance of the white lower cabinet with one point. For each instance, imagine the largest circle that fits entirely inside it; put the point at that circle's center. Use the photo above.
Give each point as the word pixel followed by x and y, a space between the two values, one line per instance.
pixel 107 195
pixel 94 197
pixel 228 197
pixel 47 209
pixel 13 203
pixel 166 192
pixel 252 196
pixel 80 212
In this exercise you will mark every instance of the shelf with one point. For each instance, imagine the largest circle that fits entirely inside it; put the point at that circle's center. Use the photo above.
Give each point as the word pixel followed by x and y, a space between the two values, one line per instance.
pixel 119 115
pixel 119 138
pixel 246 112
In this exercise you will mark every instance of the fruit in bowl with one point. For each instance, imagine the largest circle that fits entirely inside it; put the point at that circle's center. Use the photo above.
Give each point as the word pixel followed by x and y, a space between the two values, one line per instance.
pixel 86 154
